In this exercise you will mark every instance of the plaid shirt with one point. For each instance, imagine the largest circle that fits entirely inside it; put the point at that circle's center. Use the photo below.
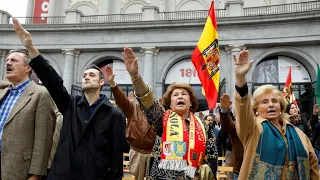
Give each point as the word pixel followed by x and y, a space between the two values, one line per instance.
pixel 8 102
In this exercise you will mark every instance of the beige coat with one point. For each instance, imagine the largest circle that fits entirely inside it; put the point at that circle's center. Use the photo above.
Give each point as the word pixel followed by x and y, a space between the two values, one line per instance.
pixel 249 129
pixel 27 134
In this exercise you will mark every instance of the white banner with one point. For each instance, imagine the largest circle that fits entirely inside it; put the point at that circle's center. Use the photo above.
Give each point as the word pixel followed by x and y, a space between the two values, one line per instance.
pixel 276 71
pixel 183 71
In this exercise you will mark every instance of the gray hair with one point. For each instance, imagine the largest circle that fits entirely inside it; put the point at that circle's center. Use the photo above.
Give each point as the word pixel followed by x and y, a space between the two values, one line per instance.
pixel 27 58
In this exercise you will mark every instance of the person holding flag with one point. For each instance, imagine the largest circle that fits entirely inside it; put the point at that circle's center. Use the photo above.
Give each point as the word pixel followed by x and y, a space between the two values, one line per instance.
pixel 292 108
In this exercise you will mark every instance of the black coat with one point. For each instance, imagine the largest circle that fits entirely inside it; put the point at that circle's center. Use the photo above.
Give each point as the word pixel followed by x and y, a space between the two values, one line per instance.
pixel 90 147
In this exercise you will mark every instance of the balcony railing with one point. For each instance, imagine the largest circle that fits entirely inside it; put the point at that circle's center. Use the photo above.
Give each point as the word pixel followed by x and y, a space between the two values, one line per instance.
pixel 40 20
pixel 199 14
pixel 283 8
pixel 178 15
pixel 112 18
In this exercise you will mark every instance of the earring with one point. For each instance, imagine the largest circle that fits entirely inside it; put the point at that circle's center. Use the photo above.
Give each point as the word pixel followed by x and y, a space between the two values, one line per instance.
pixel 280 113
pixel 257 113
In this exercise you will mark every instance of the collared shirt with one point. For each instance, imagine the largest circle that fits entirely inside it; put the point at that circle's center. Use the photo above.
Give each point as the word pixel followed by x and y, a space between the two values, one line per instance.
pixel 94 105
pixel 8 102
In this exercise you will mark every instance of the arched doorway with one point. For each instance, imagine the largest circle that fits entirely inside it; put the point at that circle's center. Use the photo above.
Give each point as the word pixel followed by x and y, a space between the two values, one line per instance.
pixel 184 71
pixel 274 70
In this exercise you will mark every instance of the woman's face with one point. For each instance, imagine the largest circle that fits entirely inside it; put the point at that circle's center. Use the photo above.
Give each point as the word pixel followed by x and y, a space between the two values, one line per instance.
pixel 269 106
pixel 180 101
pixel 293 110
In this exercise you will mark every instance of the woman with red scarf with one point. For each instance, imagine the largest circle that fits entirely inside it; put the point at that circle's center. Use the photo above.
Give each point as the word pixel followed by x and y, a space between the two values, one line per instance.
pixel 182 149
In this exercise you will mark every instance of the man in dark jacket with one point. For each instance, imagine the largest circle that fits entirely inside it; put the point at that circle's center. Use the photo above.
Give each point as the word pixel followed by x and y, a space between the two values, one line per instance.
pixel 91 140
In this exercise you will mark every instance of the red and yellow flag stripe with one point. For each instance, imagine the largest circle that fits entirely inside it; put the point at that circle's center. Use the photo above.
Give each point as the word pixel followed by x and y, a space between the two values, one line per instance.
pixel 287 92
pixel 206 59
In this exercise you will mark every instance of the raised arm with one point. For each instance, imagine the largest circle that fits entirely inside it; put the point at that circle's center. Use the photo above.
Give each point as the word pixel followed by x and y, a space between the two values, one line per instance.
pixel 226 122
pixel 142 91
pixel 245 121
pixel 122 100
pixel 45 72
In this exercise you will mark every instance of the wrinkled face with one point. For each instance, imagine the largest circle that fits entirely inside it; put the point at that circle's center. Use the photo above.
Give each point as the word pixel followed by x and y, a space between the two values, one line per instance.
pixel 293 110
pixel 16 69
pixel 180 101
pixel 210 120
pixel 269 106
pixel 91 80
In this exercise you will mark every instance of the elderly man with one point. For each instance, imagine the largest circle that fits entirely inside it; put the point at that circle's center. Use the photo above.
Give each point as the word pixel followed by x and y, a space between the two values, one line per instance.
pixel 92 135
pixel 27 119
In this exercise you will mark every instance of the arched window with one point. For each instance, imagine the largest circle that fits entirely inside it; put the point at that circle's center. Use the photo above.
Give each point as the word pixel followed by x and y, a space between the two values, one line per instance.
pixel 274 70
pixel 122 77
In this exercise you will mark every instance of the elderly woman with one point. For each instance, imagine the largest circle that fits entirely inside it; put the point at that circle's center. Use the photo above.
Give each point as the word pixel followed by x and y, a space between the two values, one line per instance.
pixel 296 119
pixel 182 149
pixel 273 147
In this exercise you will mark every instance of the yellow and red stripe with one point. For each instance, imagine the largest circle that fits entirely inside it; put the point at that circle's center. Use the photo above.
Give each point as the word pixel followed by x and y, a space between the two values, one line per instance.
pixel 208 36
pixel 287 92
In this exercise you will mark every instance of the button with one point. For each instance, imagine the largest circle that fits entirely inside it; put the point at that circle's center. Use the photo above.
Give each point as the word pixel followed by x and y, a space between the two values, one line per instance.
pixel 86 121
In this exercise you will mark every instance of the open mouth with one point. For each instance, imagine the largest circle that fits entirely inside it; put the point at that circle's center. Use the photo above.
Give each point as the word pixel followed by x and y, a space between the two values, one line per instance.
pixel 180 103
pixel 271 111
pixel 9 69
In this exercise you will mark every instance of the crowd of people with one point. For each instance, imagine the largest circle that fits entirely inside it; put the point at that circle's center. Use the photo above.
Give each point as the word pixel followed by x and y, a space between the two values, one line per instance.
pixel 45 133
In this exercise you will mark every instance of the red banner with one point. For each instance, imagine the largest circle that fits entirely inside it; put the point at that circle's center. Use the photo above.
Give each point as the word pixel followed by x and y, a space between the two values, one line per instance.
pixel 40 12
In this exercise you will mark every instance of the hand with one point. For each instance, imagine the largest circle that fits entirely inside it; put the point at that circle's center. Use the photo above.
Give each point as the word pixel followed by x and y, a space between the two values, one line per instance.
pixel 131 96
pixel 110 76
pixel 34 177
pixel 316 109
pixel 225 102
pixel 24 36
pixel 309 125
pixel 242 65
pixel 131 62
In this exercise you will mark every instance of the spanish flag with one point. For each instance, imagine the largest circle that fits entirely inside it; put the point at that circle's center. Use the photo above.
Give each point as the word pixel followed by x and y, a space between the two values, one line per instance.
pixel 287 92
pixel 205 59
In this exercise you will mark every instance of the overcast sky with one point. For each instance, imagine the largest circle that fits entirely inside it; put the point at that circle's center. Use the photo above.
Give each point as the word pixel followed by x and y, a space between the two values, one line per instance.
pixel 17 8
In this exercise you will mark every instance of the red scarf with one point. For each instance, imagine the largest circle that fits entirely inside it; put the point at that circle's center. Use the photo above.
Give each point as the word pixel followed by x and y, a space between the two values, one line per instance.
pixel 182 151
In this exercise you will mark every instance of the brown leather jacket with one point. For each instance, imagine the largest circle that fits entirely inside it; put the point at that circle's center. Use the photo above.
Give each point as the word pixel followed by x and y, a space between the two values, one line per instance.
pixel 139 133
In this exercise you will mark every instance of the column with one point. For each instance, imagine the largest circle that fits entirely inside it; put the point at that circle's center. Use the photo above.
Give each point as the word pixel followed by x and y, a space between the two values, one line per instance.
pixel 150 13
pixel 76 71
pixel 52 8
pixel 68 69
pixel 3 54
pixel 73 16
pixel 104 7
pixel 232 49
pixel 30 7
pixel 4 17
pixel 148 65
pixel 234 7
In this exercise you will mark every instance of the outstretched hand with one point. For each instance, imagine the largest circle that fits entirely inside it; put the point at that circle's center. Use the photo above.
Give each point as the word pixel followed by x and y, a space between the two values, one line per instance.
pixel 242 64
pixel 225 102
pixel 24 35
pixel 131 62
pixel 110 75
